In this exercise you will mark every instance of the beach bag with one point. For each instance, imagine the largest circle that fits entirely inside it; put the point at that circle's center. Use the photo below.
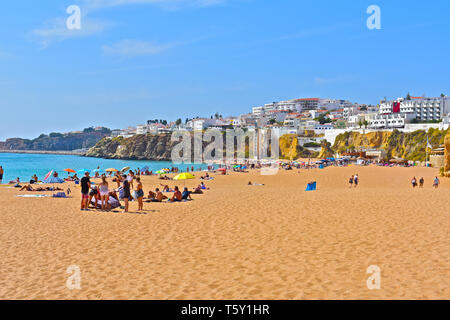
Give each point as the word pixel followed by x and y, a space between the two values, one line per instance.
pixel 312 186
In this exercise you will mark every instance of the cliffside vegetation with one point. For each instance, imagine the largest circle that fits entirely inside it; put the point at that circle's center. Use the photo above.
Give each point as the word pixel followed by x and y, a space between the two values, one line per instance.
pixel 409 146
pixel 58 141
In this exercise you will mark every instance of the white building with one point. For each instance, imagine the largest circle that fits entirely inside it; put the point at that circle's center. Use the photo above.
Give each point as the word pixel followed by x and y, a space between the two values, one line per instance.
pixel 422 109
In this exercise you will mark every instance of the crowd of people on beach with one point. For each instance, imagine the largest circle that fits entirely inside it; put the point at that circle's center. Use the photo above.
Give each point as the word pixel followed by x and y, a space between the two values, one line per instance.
pixel 129 188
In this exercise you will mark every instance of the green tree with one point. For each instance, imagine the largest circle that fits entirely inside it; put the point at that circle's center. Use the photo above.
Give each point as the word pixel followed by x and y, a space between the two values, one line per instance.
pixel 178 122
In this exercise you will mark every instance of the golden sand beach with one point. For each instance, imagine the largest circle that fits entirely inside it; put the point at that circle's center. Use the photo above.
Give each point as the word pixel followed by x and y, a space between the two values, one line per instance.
pixel 238 241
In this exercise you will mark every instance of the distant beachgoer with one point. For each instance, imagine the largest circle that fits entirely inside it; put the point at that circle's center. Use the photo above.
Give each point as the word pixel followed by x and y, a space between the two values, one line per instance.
pixel 436 182
pixel 85 186
pixel 421 182
pixel 356 180
pixel 350 181
pixel 2 172
pixel 126 192
pixel 414 182
pixel 104 193
pixel 34 179
pixel 140 194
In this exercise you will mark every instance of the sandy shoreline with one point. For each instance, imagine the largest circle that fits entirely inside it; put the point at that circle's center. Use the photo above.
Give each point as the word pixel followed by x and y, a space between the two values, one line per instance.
pixel 237 241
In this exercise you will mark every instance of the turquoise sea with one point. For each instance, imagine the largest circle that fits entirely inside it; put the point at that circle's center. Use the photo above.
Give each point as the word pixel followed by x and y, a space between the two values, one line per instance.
pixel 25 165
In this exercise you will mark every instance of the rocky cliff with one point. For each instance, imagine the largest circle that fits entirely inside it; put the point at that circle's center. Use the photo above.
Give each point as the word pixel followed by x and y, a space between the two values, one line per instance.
pixel 139 147
pixel 57 141
pixel 447 155
pixel 409 146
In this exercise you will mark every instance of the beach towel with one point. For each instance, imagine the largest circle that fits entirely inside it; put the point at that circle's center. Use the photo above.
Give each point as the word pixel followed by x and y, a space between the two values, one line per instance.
pixel 60 195
pixel 32 196
pixel 312 186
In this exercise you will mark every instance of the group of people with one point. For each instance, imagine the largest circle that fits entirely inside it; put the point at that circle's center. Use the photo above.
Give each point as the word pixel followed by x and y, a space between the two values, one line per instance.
pixel 104 198
pixel 421 182
pixel 353 181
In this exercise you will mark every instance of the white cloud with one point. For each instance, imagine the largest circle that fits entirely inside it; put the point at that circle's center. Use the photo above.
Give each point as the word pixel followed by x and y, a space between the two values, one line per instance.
pixel 132 48
pixel 56 30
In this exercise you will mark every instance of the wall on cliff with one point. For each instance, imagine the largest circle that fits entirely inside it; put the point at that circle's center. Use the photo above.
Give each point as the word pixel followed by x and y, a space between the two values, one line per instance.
pixel 409 146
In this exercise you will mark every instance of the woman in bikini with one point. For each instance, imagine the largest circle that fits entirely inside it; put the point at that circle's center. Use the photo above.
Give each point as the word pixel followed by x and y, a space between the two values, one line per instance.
pixel 104 193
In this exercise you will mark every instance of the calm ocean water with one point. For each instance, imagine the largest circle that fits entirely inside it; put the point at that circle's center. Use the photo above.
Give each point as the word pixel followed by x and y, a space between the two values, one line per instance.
pixel 25 165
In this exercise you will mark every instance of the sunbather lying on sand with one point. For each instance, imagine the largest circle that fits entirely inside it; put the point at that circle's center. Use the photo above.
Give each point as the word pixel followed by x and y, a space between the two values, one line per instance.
pixel 28 187
pixel 254 184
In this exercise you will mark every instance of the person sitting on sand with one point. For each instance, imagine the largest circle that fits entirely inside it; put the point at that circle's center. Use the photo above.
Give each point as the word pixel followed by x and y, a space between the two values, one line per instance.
pixel 203 186
pixel 177 196
pixel 186 195
pixel 166 188
pixel 197 190
pixel 151 195
pixel 34 179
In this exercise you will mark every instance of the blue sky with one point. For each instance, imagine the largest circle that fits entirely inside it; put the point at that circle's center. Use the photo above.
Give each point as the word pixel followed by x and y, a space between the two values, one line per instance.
pixel 135 60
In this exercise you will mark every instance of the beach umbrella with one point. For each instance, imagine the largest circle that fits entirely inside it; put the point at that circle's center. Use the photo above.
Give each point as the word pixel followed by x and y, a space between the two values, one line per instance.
pixel 82 171
pixel 48 175
pixel 111 170
pixel 125 169
pixel 70 170
pixel 184 176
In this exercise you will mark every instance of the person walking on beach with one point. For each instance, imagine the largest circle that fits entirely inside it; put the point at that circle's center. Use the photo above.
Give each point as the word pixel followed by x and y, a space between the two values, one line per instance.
pixel 85 186
pixel 1 174
pixel 356 180
pixel 104 193
pixel 421 182
pixel 436 182
pixel 414 182
pixel 126 192
pixel 350 182
pixel 140 194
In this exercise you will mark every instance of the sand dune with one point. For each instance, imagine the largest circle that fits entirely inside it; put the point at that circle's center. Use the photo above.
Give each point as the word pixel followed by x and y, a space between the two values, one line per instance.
pixel 237 241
